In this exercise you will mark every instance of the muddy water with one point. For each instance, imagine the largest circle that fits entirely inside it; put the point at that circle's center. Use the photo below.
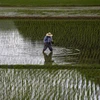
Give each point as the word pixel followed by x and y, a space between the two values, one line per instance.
pixel 44 84
pixel 14 49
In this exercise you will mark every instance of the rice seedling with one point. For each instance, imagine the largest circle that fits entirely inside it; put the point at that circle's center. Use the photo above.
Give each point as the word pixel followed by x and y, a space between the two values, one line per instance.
pixel 81 34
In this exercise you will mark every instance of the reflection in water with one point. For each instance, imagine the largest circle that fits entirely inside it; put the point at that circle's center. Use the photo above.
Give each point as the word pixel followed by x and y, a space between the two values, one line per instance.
pixel 14 49
pixel 44 84
pixel 48 58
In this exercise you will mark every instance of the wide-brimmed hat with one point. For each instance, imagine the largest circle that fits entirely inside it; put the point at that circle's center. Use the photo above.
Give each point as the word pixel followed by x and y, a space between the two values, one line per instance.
pixel 49 34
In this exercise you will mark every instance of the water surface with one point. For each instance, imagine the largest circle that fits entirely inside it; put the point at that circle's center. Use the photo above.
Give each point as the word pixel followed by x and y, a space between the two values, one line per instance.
pixel 46 84
pixel 15 49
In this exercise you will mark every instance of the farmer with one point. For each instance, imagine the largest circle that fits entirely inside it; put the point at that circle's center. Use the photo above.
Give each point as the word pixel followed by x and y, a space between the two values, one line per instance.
pixel 48 42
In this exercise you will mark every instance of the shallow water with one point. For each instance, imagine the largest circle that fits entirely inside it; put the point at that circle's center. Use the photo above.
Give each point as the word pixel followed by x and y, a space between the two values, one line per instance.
pixel 15 49
pixel 46 84
pixel 49 11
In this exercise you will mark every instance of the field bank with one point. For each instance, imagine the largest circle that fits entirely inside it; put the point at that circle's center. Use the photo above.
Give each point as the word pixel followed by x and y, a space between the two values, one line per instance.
pixel 49 2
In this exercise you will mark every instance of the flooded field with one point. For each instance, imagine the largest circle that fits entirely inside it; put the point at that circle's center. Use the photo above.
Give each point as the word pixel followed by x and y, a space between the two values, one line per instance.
pixel 14 49
pixel 21 42
pixel 50 12
pixel 75 42
pixel 49 84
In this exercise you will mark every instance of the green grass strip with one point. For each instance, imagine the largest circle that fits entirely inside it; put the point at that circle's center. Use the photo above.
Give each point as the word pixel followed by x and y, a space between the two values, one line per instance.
pixel 48 2
pixel 79 66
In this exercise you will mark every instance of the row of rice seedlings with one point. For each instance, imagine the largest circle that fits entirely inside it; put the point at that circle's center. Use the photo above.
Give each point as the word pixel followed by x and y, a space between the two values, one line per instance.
pixel 81 34
pixel 89 56
pixel 75 33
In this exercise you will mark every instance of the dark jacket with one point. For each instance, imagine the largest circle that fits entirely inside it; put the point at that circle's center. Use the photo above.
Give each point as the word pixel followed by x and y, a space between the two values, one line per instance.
pixel 47 39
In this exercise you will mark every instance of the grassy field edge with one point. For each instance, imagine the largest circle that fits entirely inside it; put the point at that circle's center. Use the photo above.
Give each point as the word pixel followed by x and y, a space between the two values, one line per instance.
pixel 80 66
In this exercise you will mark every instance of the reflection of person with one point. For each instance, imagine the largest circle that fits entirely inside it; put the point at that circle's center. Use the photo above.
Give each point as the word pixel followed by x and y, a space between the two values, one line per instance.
pixel 48 42
pixel 48 58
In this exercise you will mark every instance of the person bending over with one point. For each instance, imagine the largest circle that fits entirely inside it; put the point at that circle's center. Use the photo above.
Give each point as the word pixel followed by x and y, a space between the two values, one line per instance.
pixel 48 42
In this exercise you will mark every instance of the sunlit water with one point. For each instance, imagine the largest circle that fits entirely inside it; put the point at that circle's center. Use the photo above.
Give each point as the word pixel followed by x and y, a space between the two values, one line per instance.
pixel 14 49
pixel 44 84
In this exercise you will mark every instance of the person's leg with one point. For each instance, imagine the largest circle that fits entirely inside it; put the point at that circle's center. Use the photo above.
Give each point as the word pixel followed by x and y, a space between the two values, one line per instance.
pixel 45 47
pixel 50 48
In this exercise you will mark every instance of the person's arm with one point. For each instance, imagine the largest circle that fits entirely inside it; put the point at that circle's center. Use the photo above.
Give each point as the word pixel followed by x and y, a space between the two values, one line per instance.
pixel 44 40
pixel 51 40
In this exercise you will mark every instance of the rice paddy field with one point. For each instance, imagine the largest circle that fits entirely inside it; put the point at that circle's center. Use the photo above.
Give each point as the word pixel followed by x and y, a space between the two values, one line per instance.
pixel 81 34
pixel 71 72
pixel 75 41
pixel 49 2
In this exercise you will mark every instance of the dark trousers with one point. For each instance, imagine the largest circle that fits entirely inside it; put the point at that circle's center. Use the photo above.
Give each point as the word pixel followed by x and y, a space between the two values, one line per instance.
pixel 47 45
